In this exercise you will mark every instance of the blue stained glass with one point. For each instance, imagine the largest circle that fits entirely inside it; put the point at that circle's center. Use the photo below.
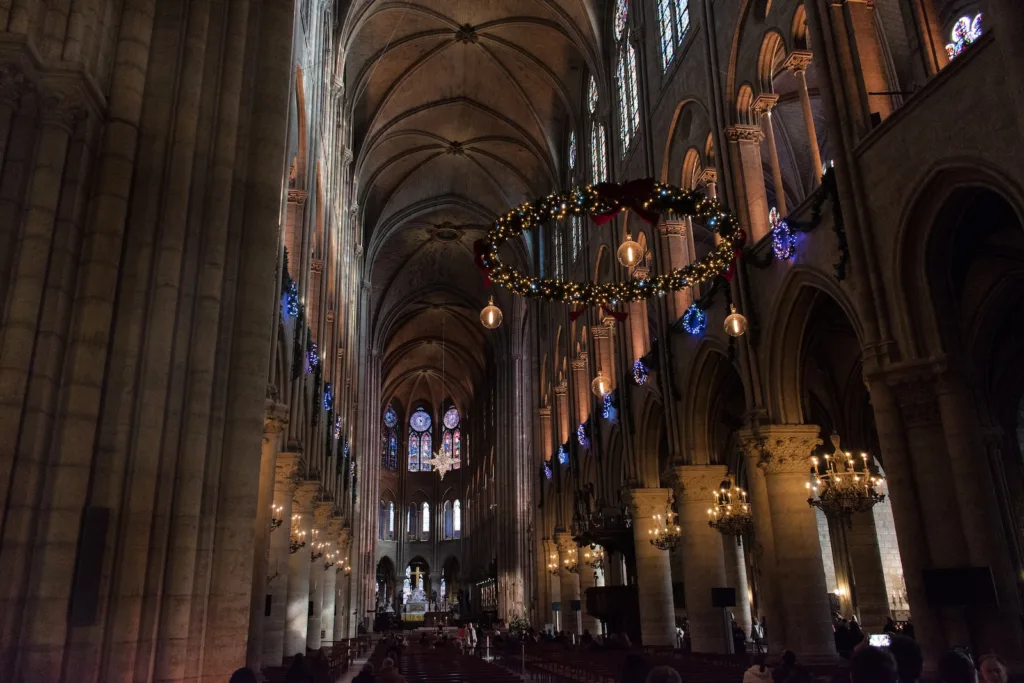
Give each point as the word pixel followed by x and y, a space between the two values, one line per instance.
pixel 414 454
pixel 420 420
pixel 582 436
pixel 328 396
pixel 624 119
pixel 451 418
pixel 640 372
pixel 563 456
pixel 682 19
pixel 783 237
pixel 572 149
pixel 458 450
pixel 668 38
pixel 592 96
pixel 621 14
pixel 425 453
pixel 390 418
pixel 965 31
pixel 547 470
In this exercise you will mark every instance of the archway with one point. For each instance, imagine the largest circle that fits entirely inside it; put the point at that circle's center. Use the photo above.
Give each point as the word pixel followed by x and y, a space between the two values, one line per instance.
pixel 385 584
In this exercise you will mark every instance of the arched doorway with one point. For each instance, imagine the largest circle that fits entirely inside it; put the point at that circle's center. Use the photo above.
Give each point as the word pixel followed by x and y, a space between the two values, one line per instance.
pixel 448 594
pixel 385 598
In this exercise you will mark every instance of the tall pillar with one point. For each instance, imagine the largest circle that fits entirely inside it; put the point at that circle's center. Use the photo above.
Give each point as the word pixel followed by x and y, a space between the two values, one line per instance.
pixel 582 381
pixel 736 577
pixel 546 433
pixel 798 62
pixel 297 615
pixel 704 562
pixel 342 611
pixel 569 582
pixel 763 106
pixel 587 580
pixel 799 574
pixel 562 417
pixel 640 332
pixel 763 550
pixel 330 596
pixel 554 582
pixel 653 574
pixel 287 469
pixel 322 513
pixel 868 576
pixel 675 234
pixel 747 141
pixel 604 350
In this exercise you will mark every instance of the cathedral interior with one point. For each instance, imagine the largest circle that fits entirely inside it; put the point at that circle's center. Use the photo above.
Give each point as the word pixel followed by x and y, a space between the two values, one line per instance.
pixel 643 321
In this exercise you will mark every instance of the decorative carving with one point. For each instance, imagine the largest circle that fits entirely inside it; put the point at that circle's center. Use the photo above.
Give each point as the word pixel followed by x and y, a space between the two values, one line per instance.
pixel 640 273
pixel 673 228
pixel 316 265
pixel 297 197
pixel 696 483
pixel 12 84
pixel 709 176
pixel 602 331
pixel 286 476
pixel 466 34
pixel 765 102
pixel 562 388
pixel 608 323
pixel 581 362
pixel 645 503
pixel 743 133
pixel 330 316
pixel 275 417
pixel 306 493
pixel 61 109
pixel 323 511
pixel 798 60
pixel 455 147
pixel 781 449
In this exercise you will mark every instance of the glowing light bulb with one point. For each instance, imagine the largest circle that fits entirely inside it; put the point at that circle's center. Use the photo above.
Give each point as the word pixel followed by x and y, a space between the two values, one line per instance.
pixel 629 253
pixel 490 316
pixel 735 323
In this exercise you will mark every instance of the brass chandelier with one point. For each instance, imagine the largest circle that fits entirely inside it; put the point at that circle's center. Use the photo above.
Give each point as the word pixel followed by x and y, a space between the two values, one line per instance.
pixel 666 534
pixel 842 484
pixel 593 556
pixel 731 514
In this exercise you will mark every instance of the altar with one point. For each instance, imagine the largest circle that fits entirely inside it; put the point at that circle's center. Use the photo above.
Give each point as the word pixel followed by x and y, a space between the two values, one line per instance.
pixel 414 611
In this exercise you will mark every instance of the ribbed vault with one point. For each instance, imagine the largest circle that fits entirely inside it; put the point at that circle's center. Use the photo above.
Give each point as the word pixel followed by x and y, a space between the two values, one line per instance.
pixel 459 111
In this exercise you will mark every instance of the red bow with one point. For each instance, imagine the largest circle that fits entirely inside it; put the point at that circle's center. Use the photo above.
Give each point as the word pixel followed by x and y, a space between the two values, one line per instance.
pixel 631 195
pixel 478 259
pixel 619 317
pixel 737 250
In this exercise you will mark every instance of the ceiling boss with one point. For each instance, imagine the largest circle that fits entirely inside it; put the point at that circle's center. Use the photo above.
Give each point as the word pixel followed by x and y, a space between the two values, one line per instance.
pixel 648 200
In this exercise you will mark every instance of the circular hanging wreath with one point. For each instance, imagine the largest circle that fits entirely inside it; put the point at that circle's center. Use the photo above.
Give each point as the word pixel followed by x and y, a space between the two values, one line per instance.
pixel 648 200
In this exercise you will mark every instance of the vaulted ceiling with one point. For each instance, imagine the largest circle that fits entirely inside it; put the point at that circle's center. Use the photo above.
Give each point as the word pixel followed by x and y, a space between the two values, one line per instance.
pixel 459 111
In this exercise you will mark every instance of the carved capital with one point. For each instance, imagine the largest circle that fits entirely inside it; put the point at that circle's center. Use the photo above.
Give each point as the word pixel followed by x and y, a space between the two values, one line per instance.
pixel 316 265
pixel 62 110
pixel 696 483
pixel 580 363
pixel 640 273
pixel 917 397
pixel 742 133
pixel 286 476
pixel 306 494
pixel 608 323
pixel 544 413
pixel 765 102
pixel 330 316
pixel 297 197
pixel 562 388
pixel 13 84
pixel 673 228
pixel 323 511
pixel 645 503
pixel 709 176
pixel 798 61
pixel 602 331
pixel 275 417
pixel 344 537
pixel 781 449
pixel 564 543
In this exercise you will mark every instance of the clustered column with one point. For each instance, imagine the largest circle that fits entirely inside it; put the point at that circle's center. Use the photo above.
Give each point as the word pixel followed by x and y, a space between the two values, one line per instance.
pixel 568 581
pixel 286 472
pixel 653 573
pixel 297 625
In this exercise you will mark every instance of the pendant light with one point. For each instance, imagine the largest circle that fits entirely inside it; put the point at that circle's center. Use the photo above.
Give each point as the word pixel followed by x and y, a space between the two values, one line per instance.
pixel 491 316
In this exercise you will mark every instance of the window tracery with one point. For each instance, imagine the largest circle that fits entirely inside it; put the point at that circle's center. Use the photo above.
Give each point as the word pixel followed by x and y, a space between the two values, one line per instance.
pixel 452 436
pixel 965 31
pixel 419 441
pixel 389 441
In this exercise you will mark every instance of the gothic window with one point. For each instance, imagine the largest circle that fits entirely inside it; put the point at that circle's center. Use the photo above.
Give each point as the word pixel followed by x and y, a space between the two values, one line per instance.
pixel 576 223
pixel 682 15
pixel 391 521
pixel 668 32
pixel 425 521
pixel 449 521
pixel 621 14
pixel 382 528
pixel 626 79
pixel 598 160
pixel 965 31
pixel 452 437
pixel 419 441
pixel 558 240
pixel 457 518
pixel 592 96
pixel 389 441
pixel 572 149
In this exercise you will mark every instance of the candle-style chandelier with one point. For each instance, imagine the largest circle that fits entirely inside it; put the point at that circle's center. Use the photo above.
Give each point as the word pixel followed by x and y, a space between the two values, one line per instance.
pixel 731 514
pixel 842 484
pixel 665 534
pixel 571 565
pixel 329 560
pixel 318 547
pixel 275 516
pixel 553 567
pixel 298 536
pixel 593 556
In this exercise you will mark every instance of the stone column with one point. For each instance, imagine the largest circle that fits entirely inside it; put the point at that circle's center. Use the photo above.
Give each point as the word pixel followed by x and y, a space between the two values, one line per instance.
pixel 604 340
pixel 546 434
pixel 747 140
pixel 342 611
pixel 799 575
pixel 763 106
pixel 736 576
pixel 562 403
pixel 704 563
pixel 868 589
pixel 675 234
pixel 582 381
pixel 653 574
pixel 297 615
pixel 587 580
pixel 569 582
pixel 555 585
pixel 322 513
pixel 640 333
pixel 798 62
pixel 763 548
pixel 287 469
pixel 330 596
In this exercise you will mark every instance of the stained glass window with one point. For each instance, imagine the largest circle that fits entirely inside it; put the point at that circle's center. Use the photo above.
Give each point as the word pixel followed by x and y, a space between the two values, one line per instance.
pixel 592 96
pixel 419 441
pixel 389 441
pixel 576 223
pixel 624 118
pixel 426 518
pixel 451 435
pixel 598 159
pixel 391 521
pixel 965 31
pixel 633 88
pixel 668 32
pixel 682 19
pixel 572 149
pixel 621 14
pixel 446 513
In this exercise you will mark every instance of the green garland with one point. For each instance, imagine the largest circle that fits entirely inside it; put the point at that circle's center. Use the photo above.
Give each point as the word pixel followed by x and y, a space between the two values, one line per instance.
pixel 595 201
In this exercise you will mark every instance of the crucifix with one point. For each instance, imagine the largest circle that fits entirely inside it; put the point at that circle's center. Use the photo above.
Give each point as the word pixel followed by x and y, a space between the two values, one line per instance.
pixel 417 577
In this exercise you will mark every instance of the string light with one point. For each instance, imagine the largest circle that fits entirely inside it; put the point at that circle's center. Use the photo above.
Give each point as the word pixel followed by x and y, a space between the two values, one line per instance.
pixel 663 200
pixel 640 372
pixel 695 320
